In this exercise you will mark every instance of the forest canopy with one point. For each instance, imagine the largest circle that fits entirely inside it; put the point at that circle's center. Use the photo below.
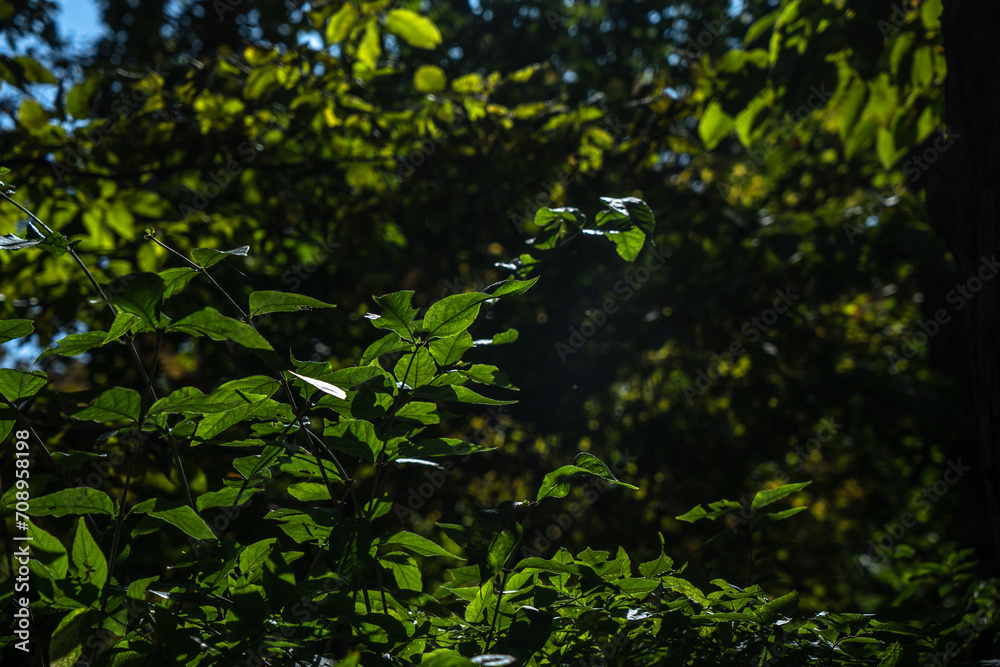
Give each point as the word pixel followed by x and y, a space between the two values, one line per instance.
pixel 484 333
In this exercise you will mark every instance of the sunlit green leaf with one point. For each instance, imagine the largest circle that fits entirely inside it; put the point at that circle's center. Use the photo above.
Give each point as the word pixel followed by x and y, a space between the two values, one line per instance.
pixel 18 385
pixel 206 257
pixel 454 314
pixel 397 313
pixel 217 326
pixel 176 514
pixel 141 296
pixel 88 560
pixel 415 543
pixel 264 301
pixel 76 344
pixel 714 126
pixel 78 500
pixel 765 498
pixel 340 23
pixel 418 31
pixel 114 404
pixel 11 329
pixel 429 79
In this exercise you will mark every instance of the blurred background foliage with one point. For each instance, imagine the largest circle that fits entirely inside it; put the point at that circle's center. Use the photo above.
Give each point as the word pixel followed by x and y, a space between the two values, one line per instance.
pixel 360 148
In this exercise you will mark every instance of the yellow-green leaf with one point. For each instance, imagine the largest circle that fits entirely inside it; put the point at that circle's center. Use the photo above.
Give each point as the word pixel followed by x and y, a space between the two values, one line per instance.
pixel 32 115
pixel 418 31
pixel 715 125
pixel 369 50
pixel 429 79
pixel 469 84
pixel 341 23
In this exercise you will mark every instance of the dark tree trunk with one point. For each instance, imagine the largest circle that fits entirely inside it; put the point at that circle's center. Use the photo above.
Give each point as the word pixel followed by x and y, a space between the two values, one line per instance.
pixel 963 203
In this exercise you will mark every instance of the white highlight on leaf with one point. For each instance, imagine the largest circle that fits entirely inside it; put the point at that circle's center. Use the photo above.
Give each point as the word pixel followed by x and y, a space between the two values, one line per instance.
pixel 333 390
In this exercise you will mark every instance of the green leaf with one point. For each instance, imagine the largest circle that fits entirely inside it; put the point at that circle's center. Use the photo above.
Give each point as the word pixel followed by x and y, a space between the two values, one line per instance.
pixel 33 71
pixel 476 612
pixel 556 483
pixel 340 24
pixel 419 411
pixel 765 498
pixel 11 329
pixel 883 100
pixel 137 589
pixel 654 568
pixel 487 375
pixel 715 125
pixel 49 551
pixel 189 400
pixel 387 344
pixel 418 31
pixel 216 326
pixel 207 257
pixel 415 369
pixel 123 322
pixel 176 514
pixel 775 517
pixel 32 115
pixel 266 301
pixel 175 280
pixel 90 563
pixel 311 491
pixel 628 244
pixel 930 14
pixel 747 120
pixel 429 79
pixel 69 637
pixel 768 612
pixel 76 344
pixel 369 49
pixel 350 543
pixel 456 394
pixel 55 244
pixel 18 385
pixel 557 217
pixel 502 338
pixel 252 558
pixel 252 406
pixel 79 500
pixel 302 465
pixel 364 378
pixel 225 496
pixel 635 210
pixel 416 544
pixel 444 657
pixel 397 313
pixel 492 538
pixel 685 588
pixel 454 314
pixel 141 296
pixel 113 404
pixel 885 148
pixel 761 26
pixel 355 437
pixel 404 570
pixel 923 66
pixel 694 514
pixel 891 656
pixel 554 566
pixel 448 351
pixel 511 287
pixel 850 107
